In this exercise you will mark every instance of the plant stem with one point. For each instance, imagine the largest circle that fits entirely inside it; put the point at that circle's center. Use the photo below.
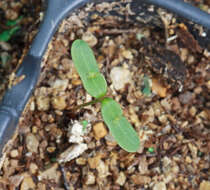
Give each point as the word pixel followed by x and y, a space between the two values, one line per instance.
pixel 89 103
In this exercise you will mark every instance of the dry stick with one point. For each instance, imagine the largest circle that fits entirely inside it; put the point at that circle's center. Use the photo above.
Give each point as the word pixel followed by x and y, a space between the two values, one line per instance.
pixel 66 184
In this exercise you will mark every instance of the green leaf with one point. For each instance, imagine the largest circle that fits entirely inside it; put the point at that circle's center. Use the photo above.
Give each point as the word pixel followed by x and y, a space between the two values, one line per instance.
pixel 151 149
pixel 147 88
pixel 87 67
pixel 14 22
pixel 4 57
pixel 84 124
pixel 7 34
pixel 120 128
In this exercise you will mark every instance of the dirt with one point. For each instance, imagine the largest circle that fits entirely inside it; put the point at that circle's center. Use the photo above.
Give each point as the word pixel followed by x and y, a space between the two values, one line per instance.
pixel 53 150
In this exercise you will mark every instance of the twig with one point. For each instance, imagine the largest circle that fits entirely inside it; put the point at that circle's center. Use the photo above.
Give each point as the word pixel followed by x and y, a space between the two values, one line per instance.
pixel 63 172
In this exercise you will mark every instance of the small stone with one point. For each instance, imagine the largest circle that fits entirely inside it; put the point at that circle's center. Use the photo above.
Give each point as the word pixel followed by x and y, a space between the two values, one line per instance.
pixel 94 162
pixel 110 51
pixel 184 54
pixel 158 88
pixel 121 179
pixel 140 179
pixel 165 103
pixel 16 179
pixel 159 186
pixel 120 77
pixel 103 169
pixel 5 46
pixel 43 103
pixel 188 160
pixel 14 163
pixel 51 149
pixel 90 180
pixel 89 38
pixel 34 129
pixel 99 130
pixel 127 54
pixel 32 143
pixel 50 174
pixel 27 184
pixel 143 165
pixel 76 82
pixel 33 168
pixel 60 84
pixel 81 161
pixel 175 104
pixel 72 152
pixel 11 14
pixel 163 119
pixel 76 133
pixel 186 98
pixel 59 102
pixel 14 153
pixel 204 185
pixel 41 186
pixel 193 111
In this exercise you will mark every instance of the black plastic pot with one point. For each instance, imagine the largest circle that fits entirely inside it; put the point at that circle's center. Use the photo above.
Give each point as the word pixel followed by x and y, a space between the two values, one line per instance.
pixel 16 98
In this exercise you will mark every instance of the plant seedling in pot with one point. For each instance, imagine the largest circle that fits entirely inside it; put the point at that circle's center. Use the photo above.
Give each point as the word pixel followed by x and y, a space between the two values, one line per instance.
pixel 95 84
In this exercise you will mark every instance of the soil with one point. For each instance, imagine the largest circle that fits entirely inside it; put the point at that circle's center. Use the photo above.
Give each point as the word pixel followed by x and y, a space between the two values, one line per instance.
pixel 53 150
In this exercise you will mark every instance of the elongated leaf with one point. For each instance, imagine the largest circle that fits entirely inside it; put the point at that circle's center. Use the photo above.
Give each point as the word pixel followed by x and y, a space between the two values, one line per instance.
pixel 119 126
pixel 87 67
pixel 97 85
pixel 147 88
pixel 14 22
pixel 7 34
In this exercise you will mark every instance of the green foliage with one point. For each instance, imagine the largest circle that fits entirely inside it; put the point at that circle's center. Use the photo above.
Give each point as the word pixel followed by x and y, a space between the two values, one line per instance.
pixel 119 126
pixel 84 125
pixel 86 65
pixel 7 34
pixel 151 149
pixel 14 22
pixel 147 87
pixel 95 84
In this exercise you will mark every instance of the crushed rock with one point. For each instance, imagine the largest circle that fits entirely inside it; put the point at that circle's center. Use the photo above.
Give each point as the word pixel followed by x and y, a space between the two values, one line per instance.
pixel 51 173
pixel 120 77
pixel 90 179
pixel 121 179
pixel 99 130
pixel 27 184
pixel 140 179
pixel 72 152
pixel 204 185
pixel 32 143
pixel 90 38
pixel 160 186
pixel 76 133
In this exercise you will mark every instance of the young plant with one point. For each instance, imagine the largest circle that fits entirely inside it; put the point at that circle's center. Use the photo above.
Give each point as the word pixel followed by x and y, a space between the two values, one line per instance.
pixel 95 84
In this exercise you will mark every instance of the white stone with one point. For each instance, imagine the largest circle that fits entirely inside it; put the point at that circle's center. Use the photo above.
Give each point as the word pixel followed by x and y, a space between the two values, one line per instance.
pixel 160 186
pixel 32 143
pixel 72 152
pixel 120 77
pixel 76 133
pixel 60 84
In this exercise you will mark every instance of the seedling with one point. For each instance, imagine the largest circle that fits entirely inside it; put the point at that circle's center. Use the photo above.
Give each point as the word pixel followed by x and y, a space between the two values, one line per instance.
pixel 7 34
pixel 147 87
pixel 95 84
pixel 84 125
pixel 151 150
